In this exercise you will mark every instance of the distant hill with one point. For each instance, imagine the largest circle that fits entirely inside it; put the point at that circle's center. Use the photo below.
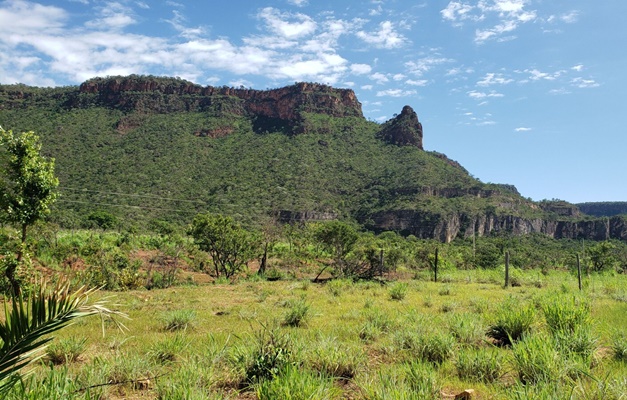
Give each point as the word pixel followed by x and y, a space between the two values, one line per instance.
pixel 604 209
pixel 144 148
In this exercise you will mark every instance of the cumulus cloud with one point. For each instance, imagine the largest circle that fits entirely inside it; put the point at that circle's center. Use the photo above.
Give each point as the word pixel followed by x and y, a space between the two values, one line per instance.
pixel 422 65
pixel 396 93
pixel 494 79
pixel 584 83
pixel 379 78
pixel 287 25
pixel 483 95
pixel 385 37
pixel 298 3
pixel 360 69
pixel 522 129
pixel 499 17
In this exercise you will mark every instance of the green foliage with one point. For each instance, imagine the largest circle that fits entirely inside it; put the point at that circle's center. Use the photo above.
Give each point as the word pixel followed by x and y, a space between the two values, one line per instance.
pixel 480 365
pixel 65 350
pixel 338 237
pixel 602 256
pixel 27 188
pixel 536 360
pixel 398 291
pixel 27 325
pixel 102 219
pixel 297 313
pixel 293 383
pixel 619 346
pixel 229 245
pixel 179 320
pixel 511 322
pixel 272 353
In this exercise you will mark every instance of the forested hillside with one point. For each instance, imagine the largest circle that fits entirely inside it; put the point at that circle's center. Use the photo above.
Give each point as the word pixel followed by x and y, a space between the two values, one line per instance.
pixel 145 148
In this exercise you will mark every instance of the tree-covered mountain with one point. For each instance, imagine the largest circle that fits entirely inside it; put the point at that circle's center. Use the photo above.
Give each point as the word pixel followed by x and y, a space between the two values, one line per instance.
pixel 146 148
pixel 603 208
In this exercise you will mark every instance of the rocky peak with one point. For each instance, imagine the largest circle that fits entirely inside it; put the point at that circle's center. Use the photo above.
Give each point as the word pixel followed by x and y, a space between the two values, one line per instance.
pixel 403 130
pixel 285 104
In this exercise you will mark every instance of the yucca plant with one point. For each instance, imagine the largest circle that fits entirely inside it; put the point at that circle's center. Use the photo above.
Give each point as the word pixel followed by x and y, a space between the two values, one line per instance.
pixel 28 324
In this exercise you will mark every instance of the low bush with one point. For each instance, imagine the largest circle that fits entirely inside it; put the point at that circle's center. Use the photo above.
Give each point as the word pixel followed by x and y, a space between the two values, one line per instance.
pixel 511 322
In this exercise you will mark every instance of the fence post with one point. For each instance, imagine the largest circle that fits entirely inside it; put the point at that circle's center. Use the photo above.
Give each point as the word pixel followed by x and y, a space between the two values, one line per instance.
pixel 381 262
pixel 507 269
pixel 435 266
pixel 579 271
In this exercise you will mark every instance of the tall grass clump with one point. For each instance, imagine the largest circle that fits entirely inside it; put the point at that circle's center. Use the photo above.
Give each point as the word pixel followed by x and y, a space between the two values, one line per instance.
pixel 480 365
pixel 65 350
pixel 297 313
pixel 536 360
pixel 398 291
pixel 619 346
pixel 169 349
pixel 564 315
pixel 511 322
pixel 432 347
pixel 414 381
pixel 271 353
pixel 467 329
pixel 295 384
pixel 179 320
pixel 335 359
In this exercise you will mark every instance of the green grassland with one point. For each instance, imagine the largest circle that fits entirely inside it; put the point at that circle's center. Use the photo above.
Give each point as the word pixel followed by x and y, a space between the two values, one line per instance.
pixel 401 336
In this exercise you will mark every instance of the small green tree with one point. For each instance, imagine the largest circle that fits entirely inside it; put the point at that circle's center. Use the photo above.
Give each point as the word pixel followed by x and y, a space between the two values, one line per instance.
pixel 602 255
pixel 27 188
pixel 229 245
pixel 338 238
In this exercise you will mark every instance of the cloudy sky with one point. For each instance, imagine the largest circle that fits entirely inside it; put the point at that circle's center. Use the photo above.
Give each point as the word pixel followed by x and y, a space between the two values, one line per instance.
pixel 525 92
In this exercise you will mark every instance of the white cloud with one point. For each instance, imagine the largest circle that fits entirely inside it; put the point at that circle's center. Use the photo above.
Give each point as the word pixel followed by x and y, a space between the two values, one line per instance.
pixel 571 17
pixel 398 77
pixel 287 25
pixel 584 83
pixel 115 16
pixel 360 69
pixel 367 87
pixel 422 65
pixel 178 22
pixel 482 95
pixel 493 79
pixel 298 3
pixel 537 75
pixel 396 93
pixel 522 129
pixel 386 37
pixel 559 91
pixel 577 68
pixel 420 82
pixel 379 78
pixel 457 11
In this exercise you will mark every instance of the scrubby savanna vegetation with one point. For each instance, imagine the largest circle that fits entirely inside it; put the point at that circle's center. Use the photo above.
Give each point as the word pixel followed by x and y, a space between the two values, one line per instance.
pixel 362 329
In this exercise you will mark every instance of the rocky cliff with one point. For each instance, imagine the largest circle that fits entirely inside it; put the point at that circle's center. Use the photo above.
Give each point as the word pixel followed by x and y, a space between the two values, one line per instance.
pixel 403 130
pixel 426 225
pixel 277 107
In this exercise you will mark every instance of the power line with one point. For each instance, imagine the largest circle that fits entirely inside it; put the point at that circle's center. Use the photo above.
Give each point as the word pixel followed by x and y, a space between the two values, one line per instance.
pixel 125 205
pixel 132 195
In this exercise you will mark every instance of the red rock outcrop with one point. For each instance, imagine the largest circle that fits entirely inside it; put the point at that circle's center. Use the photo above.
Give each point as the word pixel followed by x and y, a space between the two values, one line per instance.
pixel 284 103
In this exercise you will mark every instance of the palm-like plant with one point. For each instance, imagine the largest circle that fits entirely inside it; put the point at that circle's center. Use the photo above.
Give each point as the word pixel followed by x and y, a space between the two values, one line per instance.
pixel 28 323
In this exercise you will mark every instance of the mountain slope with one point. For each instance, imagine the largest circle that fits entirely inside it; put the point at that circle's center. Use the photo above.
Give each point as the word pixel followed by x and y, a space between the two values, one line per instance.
pixel 146 147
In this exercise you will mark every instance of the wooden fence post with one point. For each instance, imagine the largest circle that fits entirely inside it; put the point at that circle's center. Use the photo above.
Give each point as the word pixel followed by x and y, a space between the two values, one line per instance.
pixel 579 271
pixel 435 266
pixel 507 269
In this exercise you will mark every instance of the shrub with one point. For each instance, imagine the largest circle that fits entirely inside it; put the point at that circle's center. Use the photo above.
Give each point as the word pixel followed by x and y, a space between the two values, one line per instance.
pixel 65 350
pixel 466 329
pixel 566 316
pixel 511 321
pixel 479 365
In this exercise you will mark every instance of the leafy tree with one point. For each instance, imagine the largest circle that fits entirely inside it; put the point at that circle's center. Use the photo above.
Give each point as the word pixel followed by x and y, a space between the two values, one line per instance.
pixel 338 237
pixel 229 245
pixel 102 220
pixel 602 255
pixel 27 188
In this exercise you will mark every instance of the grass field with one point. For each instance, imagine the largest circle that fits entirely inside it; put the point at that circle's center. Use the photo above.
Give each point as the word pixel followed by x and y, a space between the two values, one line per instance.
pixel 403 339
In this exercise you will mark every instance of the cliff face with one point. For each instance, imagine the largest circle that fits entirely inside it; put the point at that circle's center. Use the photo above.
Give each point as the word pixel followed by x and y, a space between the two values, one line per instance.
pixel 446 228
pixel 170 95
pixel 403 130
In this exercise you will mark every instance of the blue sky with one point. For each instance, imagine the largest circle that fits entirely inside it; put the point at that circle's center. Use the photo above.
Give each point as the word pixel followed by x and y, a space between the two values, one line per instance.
pixel 525 92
